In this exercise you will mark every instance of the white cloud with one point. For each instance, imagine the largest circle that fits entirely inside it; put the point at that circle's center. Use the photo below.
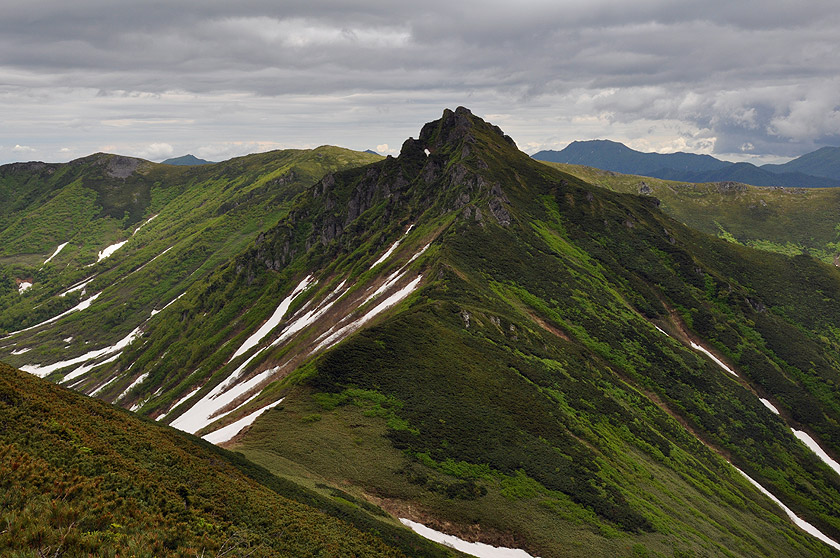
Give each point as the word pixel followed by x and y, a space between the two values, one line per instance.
pixel 383 149
pixel 231 76
pixel 23 149
pixel 155 152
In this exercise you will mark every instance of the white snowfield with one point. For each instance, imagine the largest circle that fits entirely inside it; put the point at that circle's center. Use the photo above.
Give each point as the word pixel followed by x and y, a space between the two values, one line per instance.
pixel 481 550
pixel 54 254
pixel 798 521
pixel 136 382
pixel 769 405
pixel 309 318
pixel 78 287
pixel 83 305
pixel 180 400
pixel 815 447
pixel 108 250
pixel 85 368
pixel 704 350
pixel 274 320
pixel 333 337
pixel 21 351
pixel 24 286
pixel 228 432
pixel 202 412
pixel 48 369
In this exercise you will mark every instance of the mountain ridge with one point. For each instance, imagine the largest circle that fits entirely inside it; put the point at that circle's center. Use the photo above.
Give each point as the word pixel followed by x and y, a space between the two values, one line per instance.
pixel 480 342
pixel 689 167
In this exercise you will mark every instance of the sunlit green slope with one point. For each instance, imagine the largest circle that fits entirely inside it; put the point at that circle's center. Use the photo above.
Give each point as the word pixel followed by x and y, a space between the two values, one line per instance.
pixel 785 220
pixel 471 339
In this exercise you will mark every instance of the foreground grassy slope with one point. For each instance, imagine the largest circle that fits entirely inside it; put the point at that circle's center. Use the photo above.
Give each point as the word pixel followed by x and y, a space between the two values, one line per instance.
pixel 524 395
pixel 81 477
pixel 790 221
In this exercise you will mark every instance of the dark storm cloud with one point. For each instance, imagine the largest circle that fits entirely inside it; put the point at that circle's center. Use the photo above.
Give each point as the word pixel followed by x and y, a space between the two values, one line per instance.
pixel 735 73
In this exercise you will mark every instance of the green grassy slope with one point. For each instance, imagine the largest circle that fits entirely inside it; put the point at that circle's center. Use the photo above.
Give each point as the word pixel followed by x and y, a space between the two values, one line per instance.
pixel 523 395
pixel 200 218
pixel 83 478
pixel 785 220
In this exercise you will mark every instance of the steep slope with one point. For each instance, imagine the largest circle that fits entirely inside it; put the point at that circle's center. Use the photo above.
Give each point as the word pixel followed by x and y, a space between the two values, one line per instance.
pixel 83 478
pixel 476 341
pixel 689 167
pixel 789 221
pixel 126 237
pixel 825 162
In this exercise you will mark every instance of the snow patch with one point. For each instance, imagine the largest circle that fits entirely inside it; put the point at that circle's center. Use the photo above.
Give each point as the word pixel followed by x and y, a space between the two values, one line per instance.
pixel 481 550
pixel 202 413
pixel 78 287
pixel 171 302
pixel 274 320
pixel 83 305
pixel 108 250
pixel 21 351
pixel 309 318
pixel 24 285
pixel 143 224
pixel 660 330
pixel 815 447
pixel 136 382
pixel 387 253
pixel 181 400
pixel 702 349
pixel 228 432
pixel 769 406
pixel 54 254
pixel 85 368
pixel 335 337
pixel 42 371
pixel 799 522
pixel 103 386
pixel 427 152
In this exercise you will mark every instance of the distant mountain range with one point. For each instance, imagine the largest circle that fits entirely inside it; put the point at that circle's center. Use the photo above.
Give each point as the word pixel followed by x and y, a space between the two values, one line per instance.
pixel 186 161
pixel 820 169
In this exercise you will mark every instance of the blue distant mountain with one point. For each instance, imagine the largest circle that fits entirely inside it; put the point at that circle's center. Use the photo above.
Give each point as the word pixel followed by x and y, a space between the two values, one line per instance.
pixel 186 160
pixel 824 162
pixel 689 167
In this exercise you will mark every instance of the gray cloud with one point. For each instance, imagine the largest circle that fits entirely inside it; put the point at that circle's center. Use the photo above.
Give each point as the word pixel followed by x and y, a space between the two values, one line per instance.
pixel 216 75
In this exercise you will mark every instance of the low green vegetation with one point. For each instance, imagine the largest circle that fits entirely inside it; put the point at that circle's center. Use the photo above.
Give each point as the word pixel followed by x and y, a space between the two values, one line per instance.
pixel 788 221
pixel 522 395
pixel 81 477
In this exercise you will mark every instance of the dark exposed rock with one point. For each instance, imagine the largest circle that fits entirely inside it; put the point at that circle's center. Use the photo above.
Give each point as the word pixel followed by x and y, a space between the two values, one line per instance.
pixel 644 188
pixel 499 212
pixel 756 305
pixel 121 167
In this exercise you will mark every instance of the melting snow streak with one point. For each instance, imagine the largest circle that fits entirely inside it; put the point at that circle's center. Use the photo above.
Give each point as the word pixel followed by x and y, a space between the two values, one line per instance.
pixel 273 321
pixel 703 349
pixel 801 523
pixel 54 254
pixel 228 432
pixel 815 447
pixel 108 250
pixel 476 549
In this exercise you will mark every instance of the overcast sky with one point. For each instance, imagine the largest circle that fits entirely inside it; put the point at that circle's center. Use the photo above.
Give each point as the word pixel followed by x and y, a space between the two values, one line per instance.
pixel 743 80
